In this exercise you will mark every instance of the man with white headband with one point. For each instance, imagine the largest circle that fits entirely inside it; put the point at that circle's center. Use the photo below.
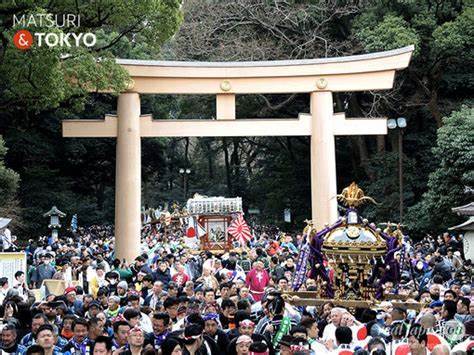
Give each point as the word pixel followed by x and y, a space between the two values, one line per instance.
pixel 242 345
pixel 136 341
pixel 192 339
pixel 247 327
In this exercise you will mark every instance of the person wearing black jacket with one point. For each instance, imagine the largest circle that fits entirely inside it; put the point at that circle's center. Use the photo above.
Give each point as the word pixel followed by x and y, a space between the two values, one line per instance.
pixel 442 268
pixel 211 328
pixel 9 344
pixel 464 273
pixel 162 274
pixel 112 278
pixel 196 342
pixel 161 326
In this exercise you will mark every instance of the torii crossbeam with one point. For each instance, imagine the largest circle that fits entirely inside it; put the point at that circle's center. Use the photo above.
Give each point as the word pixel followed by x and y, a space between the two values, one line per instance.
pixel 318 77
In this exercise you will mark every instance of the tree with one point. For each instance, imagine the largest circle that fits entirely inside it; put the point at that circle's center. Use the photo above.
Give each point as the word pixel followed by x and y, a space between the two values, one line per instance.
pixel 40 87
pixel 8 178
pixel 44 85
pixel 443 35
pixel 455 151
pixel 9 181
pixel 437 81
pixel 44 77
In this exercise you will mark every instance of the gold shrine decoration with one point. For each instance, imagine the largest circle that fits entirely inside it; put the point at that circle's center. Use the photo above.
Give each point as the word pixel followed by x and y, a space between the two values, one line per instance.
pixel 351 247
pixel 353 196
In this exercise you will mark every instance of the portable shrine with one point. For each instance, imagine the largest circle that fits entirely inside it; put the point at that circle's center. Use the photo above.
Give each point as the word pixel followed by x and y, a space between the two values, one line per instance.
pixel 214 214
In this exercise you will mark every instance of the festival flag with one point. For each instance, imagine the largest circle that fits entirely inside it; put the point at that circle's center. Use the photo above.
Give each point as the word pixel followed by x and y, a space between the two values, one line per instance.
pixel 240 230
pixel 435 339
pixel 74 223
pixel 190 229
pixel 200 229
pixel 402 349
pixel 362 332
pixel 300 274
pixel 194 229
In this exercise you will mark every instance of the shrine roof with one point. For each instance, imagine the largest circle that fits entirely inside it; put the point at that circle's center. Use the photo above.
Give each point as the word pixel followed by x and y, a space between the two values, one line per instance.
pixel 466 210
pixel 214 205
pixel 269 63
pixel 468 225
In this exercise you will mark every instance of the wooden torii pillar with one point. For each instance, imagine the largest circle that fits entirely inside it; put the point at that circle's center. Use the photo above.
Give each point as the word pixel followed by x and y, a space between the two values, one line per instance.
pixel 318 77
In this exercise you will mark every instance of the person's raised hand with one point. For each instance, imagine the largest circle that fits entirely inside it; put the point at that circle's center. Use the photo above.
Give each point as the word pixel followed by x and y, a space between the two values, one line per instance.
pixel 269 328
pixel 329 343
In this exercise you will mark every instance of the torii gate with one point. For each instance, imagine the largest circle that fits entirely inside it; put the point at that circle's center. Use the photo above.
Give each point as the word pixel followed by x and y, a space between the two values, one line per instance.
pixel 318 77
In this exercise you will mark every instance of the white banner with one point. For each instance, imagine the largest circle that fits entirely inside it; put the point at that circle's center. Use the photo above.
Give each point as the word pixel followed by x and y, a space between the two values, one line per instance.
pixel 468 244
pixel 10 263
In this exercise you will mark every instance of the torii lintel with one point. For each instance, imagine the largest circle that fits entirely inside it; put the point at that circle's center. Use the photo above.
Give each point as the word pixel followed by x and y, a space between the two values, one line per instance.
pixel 255 127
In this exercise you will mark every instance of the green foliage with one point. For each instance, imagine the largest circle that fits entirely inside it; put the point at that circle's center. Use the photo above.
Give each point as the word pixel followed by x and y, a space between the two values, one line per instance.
pixel 393 32
pixel 42 86
pixel 455 36
pixel 282 182
pixel 9 179
pixel 384 186
pixel 455 151
pixel 44 77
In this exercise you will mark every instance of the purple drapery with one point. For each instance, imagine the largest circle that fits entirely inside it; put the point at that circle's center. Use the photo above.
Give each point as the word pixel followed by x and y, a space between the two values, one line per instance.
pixel 312 249
pixel 300 274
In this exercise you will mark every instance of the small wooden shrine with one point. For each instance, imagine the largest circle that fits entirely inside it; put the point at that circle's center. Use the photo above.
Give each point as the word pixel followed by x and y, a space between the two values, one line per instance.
pixel 215 214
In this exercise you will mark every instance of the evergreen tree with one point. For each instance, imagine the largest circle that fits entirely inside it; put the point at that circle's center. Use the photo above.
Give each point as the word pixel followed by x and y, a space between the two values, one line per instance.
pixel 9 181
pixel 455 152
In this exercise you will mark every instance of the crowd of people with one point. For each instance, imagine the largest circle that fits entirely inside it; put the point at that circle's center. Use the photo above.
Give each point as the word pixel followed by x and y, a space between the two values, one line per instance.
pixel 176 300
